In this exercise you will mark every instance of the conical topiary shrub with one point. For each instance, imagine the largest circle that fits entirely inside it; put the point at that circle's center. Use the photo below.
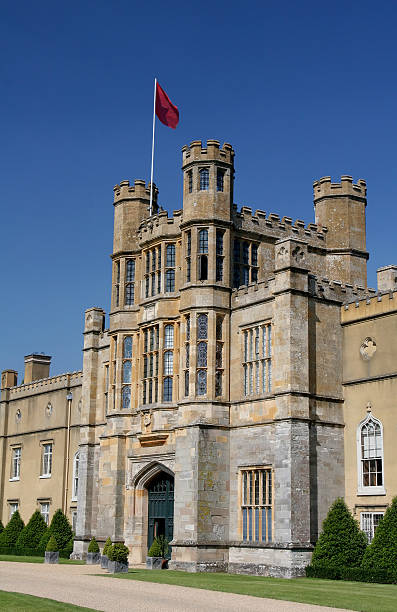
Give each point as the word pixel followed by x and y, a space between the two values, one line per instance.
pixel 108 544
pixel 60 528
pixel 32 532
pixel 382 552
pixel 9 535
pixel 52 545
pixel 93 546
pixel 341 543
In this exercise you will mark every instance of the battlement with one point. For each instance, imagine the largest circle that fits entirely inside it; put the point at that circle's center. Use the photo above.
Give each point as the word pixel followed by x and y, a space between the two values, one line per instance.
pixel 373 304
pixel 322 287
pixel 71 379
pixel 160 225
pixel 324 188
pixel 196 152
pixel 280 228
pixel 137 191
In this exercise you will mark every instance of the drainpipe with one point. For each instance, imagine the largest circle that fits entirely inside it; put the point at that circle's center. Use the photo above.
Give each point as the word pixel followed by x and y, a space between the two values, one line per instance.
pixel 69 398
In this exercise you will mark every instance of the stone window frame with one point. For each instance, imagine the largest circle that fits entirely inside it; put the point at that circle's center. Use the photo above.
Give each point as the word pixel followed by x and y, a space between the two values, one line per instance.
pixel 13 502
pixel 129 282
pixel 116 283
pixel 126 385
pixel 75 479
pixel 170 265
pixel 44 444
pixel 367 523
pixel 45 515
pixel 245 263
pixel 188 254
pixel 202 371
pixel 152 270
pixel 257 364
pixel 204 178
pixel 186 356
pixel 368 489
pixel 150 364
pixel 106 375
pixel 13 448
pixel 256 511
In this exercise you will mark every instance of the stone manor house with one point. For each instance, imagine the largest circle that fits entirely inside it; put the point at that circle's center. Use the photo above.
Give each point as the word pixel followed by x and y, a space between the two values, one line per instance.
pixel 246 380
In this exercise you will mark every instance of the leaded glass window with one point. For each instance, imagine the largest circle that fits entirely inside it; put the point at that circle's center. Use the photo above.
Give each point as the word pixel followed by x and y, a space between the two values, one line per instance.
pixel 170 259
pixel 202 355
pixel 167 389
pixel 126 397
pixel 204 179
pixel 186 383
pixel 190 181
pixel 219 179
pixel 127 349
pixel 201 382
pixel 257 504
pixel 203 241
pixel 170 281
pixel 150 364
pixel 168 362
pixel 257 373
pixel 169 336
pixel 202 321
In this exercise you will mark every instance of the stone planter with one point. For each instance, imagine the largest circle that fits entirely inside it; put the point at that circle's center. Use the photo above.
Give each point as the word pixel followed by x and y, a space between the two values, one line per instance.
pixel 51 557
pixel 93 558
pixel 156 563
pixel 104 561
pixel 115 567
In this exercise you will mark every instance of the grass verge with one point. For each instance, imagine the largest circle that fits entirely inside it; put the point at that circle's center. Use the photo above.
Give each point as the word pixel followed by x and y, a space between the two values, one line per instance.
pixel 17 602
pixel 359 596
pixel 18 559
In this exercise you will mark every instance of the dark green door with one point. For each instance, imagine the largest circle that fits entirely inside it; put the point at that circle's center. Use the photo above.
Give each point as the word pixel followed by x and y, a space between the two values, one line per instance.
pixel 161 508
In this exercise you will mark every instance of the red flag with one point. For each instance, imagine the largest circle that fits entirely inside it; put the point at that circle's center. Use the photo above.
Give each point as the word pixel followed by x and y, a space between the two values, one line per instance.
pixel 165 110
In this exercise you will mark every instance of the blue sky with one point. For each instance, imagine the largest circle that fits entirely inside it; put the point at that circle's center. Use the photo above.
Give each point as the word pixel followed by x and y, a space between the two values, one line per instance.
pixel 301 90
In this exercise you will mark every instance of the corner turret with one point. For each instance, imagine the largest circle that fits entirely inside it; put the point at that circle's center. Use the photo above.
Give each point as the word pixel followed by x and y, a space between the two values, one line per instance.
pixel 341 208
pixel 131 207
pixel 208 174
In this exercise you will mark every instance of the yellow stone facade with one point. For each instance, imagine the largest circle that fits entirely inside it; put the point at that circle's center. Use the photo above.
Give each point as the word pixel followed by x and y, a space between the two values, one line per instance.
pixel 221 406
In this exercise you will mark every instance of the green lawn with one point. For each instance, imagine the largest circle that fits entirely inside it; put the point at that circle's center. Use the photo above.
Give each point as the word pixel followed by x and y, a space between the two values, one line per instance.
pixel 334 593
pixel 36 560
pixel 16 602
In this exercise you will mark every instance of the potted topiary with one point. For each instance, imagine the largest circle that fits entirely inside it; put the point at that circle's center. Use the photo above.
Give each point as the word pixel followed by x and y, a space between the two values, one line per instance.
pixel 118 558
pixel 93 555
pixel 51 554
pixel 156 558
pixel 104 556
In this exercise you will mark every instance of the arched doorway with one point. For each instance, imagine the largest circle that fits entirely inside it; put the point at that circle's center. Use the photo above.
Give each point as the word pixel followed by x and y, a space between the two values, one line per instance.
pixel 161 508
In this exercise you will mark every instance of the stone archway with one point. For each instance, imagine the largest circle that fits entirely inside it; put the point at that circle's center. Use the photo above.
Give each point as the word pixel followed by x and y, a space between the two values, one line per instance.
pixel 161 508
pixel 141 485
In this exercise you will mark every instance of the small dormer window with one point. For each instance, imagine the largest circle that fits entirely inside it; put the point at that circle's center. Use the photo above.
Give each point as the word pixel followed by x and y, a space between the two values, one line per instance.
pixel 204 179
pixel 219 179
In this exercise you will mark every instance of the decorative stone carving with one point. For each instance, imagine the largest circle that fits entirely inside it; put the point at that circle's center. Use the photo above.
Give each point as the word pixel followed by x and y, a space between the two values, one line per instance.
pixel 18 416
pixel 368 349
pixel 298 254
pixel 48 409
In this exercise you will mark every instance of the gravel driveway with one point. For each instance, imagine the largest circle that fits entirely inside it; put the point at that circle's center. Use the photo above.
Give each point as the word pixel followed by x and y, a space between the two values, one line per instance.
pixel 76 584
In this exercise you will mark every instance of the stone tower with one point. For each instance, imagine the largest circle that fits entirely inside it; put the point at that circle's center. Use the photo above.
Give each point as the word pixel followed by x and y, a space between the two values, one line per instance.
pixel 341 208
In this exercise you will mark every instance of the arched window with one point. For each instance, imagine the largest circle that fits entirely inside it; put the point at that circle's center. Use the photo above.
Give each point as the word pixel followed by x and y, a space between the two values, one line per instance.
pixel 204 179
pixel 167 389
pixel 75 476
pixel 168 362
pixel 370 456
pixel 169 336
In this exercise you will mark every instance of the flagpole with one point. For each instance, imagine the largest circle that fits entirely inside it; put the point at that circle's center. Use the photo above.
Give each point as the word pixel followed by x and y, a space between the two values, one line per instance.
pixel 151 171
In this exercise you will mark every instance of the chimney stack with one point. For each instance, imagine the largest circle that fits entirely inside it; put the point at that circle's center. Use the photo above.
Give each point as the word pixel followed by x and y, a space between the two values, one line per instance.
pixel 37 366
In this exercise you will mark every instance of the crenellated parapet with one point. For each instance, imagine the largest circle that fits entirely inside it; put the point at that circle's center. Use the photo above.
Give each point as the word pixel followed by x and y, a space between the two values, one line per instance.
pixel 325 188
pixel 160 226
pixel 53 383
pixel 372 305
pixel 322 287
pixel 196 152
pixel 138 191
pixel 277 228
